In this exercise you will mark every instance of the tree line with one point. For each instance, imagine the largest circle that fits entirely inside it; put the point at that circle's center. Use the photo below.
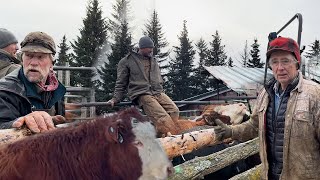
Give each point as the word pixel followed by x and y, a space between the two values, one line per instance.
pixel 104 41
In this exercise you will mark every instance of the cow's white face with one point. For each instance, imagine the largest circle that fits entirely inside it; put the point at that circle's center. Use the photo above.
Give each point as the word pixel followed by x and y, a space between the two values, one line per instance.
pixel 155 162
pixel 234 111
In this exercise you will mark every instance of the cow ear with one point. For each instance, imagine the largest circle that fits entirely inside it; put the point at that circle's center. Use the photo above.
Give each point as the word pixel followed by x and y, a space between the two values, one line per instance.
pixel 112 132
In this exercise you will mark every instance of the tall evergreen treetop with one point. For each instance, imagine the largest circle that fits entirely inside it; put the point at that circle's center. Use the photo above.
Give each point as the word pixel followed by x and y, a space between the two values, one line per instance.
pixel 314 53
pixel 201 76
pixel 254 61
pixel 63 55
pixel 217 55
pixel 120 16
pixel 120 47
pixel 230 62
pixel 245 56
pixel 87 46
pixel 154 31
pixel 181 68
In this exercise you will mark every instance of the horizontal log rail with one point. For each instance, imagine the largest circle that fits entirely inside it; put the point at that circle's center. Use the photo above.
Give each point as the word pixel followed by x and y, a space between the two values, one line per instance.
pixel 174 145
pixel 201 166
pixel 89 104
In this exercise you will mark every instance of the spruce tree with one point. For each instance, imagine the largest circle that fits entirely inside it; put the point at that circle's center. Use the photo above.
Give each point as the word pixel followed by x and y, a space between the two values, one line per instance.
pixel 314 54
pixel 63 55
pixel 254 61
pixel 121 46
pixel 153 29
pixel 201 75
pixel 230 62
pixel 87 46
pixel 217 55
pixel 180 68
pixel 245 55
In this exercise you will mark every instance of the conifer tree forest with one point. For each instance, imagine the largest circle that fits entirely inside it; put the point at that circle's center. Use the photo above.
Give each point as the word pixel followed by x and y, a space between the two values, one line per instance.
pixel 104 41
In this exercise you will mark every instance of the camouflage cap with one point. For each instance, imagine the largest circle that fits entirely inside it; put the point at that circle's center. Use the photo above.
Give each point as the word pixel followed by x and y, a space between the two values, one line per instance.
pixel 38 42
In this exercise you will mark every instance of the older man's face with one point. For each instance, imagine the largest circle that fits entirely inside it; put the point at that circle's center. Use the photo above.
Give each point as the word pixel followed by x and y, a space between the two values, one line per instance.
pixel 284 67
pixel 36 66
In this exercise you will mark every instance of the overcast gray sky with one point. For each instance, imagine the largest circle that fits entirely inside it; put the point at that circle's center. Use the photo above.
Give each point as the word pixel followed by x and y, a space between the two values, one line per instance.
pixel 236 20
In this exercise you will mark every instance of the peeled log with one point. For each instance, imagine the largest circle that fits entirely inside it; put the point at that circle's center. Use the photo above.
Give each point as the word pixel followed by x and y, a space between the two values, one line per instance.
pixel 181 144
pixel 201 166
pixel 11 135
pixel 174 145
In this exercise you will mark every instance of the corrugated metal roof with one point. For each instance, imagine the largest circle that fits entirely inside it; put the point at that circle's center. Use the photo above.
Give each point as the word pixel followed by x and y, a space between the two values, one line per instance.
pixel 239 79
pixel 205 95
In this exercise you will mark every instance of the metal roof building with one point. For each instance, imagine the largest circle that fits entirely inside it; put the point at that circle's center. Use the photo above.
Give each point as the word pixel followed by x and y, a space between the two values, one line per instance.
pixel 240 79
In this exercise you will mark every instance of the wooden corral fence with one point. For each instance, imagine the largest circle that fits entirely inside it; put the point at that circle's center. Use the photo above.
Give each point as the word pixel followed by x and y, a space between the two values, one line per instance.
pixel 64 78
pixel 199 167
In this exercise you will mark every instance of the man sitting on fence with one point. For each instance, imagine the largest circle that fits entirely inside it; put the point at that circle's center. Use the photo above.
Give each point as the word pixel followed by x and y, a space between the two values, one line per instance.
pixel 139 73
pixel 32 95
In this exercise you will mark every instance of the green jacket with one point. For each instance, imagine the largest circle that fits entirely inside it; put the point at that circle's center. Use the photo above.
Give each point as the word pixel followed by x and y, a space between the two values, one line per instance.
pixel 7 63
pixel 301 147
pixel 131 78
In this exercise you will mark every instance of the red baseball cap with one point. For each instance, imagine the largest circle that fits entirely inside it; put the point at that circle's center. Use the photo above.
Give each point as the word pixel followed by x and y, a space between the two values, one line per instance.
pixel 284 44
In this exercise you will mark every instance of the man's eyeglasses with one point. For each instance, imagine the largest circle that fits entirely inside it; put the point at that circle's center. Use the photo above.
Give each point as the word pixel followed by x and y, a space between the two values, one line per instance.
pixel 283 62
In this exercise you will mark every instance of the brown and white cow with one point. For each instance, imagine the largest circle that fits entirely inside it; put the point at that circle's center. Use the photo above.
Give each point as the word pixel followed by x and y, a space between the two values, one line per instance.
pixel 229 114
pixel 121 146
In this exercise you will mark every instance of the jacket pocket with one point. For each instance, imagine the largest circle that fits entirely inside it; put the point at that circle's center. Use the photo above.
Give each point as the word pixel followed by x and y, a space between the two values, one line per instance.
pixel 304 166
pixel 302 125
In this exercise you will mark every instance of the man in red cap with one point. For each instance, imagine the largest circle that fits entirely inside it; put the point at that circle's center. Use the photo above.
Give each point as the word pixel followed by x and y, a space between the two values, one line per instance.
pixel 286 118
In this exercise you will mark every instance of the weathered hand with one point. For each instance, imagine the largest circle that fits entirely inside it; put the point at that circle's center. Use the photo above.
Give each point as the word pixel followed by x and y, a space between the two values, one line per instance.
pixel 111 102
pixel 223 131
pixel 37 121
pixel 58 119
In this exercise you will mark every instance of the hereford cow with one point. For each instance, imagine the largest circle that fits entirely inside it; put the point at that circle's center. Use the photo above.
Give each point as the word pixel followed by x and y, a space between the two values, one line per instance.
pixel 121 146
pixel 229 114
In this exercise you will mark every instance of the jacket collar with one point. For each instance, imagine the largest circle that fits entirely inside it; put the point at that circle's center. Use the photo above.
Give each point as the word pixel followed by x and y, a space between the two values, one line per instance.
pixel 5 56
pixel 32 91
pixel 299 86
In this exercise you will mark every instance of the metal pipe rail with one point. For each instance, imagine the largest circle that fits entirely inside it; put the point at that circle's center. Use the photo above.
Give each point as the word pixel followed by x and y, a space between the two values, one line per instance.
pixel 220 101
pixel 74 68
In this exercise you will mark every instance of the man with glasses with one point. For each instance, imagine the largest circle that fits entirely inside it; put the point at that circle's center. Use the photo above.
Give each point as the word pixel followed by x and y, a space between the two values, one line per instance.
pixel 32 95
pixel 286 118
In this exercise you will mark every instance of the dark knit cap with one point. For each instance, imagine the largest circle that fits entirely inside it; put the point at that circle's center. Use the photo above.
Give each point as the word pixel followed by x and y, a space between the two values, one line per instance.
pixel 6 38
pixel 146 42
